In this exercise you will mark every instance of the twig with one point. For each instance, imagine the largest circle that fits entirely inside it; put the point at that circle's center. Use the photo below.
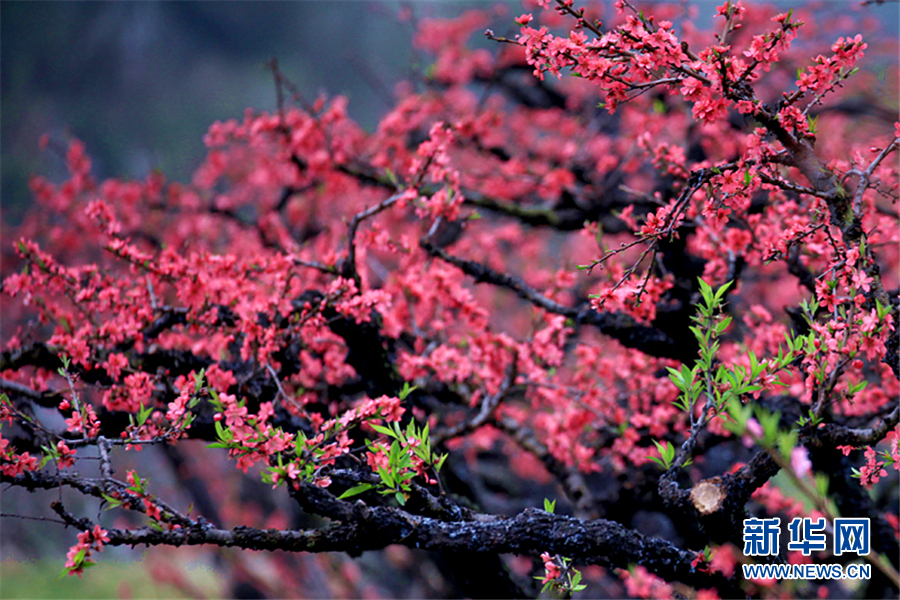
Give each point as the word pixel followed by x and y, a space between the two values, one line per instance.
pixel 867 175
pixel 484 273
pixel 488 404
pixel 620 326
pixel 790 187
pixel 29 518
pixel 312 264
pixel 105 465
pixel 277 383
pixel 348 265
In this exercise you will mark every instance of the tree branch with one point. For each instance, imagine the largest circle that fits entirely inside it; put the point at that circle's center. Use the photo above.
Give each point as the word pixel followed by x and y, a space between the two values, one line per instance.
pixel 363 528
pixel 629 332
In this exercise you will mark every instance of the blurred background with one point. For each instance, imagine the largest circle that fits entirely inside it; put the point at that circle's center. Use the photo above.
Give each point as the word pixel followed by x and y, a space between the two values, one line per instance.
pixel 139 83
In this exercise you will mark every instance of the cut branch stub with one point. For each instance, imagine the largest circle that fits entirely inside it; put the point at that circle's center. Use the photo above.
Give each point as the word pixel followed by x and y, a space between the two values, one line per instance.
pixel 708 496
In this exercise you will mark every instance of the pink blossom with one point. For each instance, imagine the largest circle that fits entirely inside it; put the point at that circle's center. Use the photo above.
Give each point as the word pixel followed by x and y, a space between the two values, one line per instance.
pixel 800 462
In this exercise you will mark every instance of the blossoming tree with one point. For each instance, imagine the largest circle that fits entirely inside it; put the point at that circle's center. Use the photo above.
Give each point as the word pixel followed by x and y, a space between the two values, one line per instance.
pixel 611 260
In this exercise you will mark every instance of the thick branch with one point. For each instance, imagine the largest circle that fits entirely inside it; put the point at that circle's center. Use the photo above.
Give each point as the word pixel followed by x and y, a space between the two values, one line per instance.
pixel 373 528
pixel 833 435
pixel 45 399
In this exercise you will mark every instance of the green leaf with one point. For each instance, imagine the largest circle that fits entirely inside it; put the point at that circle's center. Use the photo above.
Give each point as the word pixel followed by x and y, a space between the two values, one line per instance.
pixel 881 310
pixel 401 498
pixel 705 291
pixel 223 434
pixel 699 334
pixel 113 502
pixel 549 505
pixel 787 442
pixel 813 123
pixel 854 389
pixel 659 461
pixel 696 389
pixel 682 404
pixel 359 489
pixel 721 325
pixel 198 380
pixel 440 462
pixel 406 391
pixel 383 430
pixel 143 414
pixel 396 451
pixel 739 414
pixel 677 378
pixel 387 477
pixel 721 291
pixel 667 451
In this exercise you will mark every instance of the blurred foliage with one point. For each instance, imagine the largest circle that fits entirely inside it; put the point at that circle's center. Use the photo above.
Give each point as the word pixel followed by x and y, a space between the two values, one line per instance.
pixel 115 580
pixel 140 82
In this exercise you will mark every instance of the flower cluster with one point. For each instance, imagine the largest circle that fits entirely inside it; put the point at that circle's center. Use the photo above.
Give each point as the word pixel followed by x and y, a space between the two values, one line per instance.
pixel 79 556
